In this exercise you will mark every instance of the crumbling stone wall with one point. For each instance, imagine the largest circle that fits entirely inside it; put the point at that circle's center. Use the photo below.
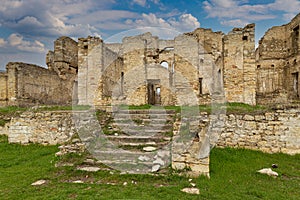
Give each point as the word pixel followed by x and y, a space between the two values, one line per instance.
pixel 30 85
pixel 201 66
pixel 110 83
pixel 271 132
pixel 55 127
pixel 3 89
pixel 27 84
pixel 239 65
pixel 131 72
pixel 277 62
pixel 64 59
pixel 90 62
pixel 209 65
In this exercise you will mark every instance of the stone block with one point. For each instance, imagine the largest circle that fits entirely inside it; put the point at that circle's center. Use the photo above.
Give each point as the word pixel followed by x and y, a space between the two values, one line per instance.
pixel 248 117
pixel 259 117
pixel 178 165
pixel 250 125
pixel 199 168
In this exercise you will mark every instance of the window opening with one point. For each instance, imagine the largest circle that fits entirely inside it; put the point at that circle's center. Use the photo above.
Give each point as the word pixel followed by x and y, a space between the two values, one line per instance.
pixel 165 64
pixel 200 86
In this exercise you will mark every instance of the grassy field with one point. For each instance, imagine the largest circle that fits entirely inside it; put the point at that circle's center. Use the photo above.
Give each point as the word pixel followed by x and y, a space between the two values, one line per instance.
pixel 233 176
pixel 230 108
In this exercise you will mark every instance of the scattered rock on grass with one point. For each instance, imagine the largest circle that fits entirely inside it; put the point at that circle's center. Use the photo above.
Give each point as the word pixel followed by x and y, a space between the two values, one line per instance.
pixel 39 182
pixel 78 181
pixel 89 169
pixel 191 190
pixel 268 171
pixel 193 184
pixel 274 166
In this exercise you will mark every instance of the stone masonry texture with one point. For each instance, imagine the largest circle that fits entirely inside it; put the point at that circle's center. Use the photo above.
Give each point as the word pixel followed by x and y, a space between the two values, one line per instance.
pixel 193 68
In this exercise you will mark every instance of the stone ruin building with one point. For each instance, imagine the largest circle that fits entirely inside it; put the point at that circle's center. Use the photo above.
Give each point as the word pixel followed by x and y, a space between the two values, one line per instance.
pixel 277 64
pixel 193 68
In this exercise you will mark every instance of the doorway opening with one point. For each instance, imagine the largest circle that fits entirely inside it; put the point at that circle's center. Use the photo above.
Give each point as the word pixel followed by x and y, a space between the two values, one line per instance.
pixel 154 92
pixel 296 83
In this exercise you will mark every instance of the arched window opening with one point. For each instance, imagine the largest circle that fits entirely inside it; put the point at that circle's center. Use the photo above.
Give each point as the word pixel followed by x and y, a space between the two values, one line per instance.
pixel 165 64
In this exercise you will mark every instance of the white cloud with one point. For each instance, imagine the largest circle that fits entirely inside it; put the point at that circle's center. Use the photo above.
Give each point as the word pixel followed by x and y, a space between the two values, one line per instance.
pixel 289 6
pixel 156 2
pixel 288 16
pixel 10 4
pixel 50 18
pixel 239 13
pixel 106 16
pixel 224 3
pixel 146 3
pixel 231 9
pixel 17 41
pixel 2 42
pixel 30 21
pixel 151 20
pixel 186 22
pixel 140 2
pixel 235 23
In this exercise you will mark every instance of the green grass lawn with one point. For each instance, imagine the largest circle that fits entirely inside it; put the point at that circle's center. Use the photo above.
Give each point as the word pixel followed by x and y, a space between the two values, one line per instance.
pixel 233 176
pixel 229 108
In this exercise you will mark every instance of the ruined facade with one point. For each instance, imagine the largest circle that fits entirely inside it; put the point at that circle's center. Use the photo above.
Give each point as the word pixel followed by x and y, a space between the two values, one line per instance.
pixel 26 84
pixel 278 66
pixel 189 70
pixel 194 68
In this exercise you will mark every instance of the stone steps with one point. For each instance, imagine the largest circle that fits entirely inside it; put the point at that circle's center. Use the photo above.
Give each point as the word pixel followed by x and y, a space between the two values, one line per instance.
pixel 138 141
pixel 140 131
pixel 152 111
pixel 133 126
pixel 134 161
pixel 136 116
pixel 145 121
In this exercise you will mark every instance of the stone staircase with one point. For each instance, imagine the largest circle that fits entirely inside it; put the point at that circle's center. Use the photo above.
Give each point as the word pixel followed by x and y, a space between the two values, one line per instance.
pixel 141 143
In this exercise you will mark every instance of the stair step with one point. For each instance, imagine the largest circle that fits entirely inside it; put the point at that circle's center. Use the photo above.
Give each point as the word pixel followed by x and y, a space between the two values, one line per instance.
pixel 147 133
pixel 131 161
pixel 138 138
pixel 127 126
pixel 141 116
pixel 152 111
pixel 148 121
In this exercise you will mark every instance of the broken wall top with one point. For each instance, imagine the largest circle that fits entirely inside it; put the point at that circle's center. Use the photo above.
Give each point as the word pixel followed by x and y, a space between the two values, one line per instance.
pixel 277 43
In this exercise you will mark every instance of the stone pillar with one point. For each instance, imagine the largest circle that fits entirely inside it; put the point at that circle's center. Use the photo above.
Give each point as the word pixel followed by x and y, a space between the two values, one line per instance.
pixel 135 84
pixel 239 65
pixel 186 70
pixel 90 64
pixel 12 81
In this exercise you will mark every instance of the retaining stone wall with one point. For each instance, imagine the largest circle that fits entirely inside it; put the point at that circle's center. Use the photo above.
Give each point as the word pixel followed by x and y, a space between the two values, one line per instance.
pixel 271 132
pixel 46 127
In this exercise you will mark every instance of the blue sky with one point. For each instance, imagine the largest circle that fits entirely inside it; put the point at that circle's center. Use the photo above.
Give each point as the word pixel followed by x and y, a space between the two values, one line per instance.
pixel 29 27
